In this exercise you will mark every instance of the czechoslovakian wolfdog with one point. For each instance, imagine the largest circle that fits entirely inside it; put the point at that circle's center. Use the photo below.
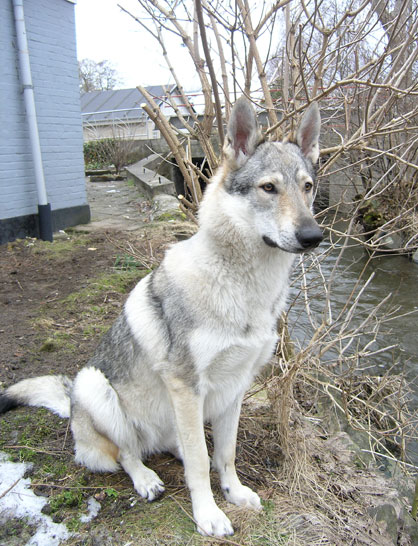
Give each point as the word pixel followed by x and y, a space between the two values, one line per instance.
pixel 193 334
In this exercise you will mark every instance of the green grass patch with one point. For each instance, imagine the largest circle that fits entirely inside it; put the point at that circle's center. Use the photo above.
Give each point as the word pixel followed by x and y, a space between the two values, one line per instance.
pixel 84 312
pixel 161 522
pixel 26 455
pixel 119 282
pixel 60 248
pixel 23 424
pixel 24 432
pixel 127 262
pixel 268 531
pixel 72 498
pixel 111 493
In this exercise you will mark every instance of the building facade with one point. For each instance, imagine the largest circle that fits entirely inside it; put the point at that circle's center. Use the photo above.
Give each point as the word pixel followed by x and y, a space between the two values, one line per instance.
pixel 50 32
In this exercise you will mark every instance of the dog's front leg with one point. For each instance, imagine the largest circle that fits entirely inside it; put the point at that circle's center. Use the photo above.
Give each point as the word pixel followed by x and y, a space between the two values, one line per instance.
pixel 188 410
pixel 225 429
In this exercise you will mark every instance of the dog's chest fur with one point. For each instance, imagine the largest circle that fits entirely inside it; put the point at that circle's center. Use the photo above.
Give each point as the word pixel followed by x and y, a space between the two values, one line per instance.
pixel 208 319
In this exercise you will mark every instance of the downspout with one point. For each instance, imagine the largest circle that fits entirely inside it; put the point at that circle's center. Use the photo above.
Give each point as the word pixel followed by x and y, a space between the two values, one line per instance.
pixel 44 208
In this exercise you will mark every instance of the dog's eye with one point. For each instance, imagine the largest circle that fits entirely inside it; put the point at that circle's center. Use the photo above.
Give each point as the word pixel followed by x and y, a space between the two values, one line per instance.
pixel 269 187
pixel 308 186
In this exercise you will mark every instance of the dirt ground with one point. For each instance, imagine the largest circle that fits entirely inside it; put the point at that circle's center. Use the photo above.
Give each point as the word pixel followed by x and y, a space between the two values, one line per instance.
pixel 55 302
pixel 32 282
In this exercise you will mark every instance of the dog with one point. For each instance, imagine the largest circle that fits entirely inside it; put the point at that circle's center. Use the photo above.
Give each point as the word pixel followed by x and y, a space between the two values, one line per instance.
pixel 193 333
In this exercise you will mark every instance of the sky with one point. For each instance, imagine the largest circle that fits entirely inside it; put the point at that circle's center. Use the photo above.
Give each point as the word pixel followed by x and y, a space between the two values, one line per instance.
pixel 104 32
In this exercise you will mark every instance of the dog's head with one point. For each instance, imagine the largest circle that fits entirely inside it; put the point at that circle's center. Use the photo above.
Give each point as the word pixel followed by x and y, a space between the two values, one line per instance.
pixel 274 179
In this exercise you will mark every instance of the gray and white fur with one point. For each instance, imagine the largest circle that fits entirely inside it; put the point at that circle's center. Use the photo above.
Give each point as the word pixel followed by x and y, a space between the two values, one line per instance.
pixel 193 334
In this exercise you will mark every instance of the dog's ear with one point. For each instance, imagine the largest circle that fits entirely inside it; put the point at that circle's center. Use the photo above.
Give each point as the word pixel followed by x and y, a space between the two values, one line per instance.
pixel 307 135
pixel 243 133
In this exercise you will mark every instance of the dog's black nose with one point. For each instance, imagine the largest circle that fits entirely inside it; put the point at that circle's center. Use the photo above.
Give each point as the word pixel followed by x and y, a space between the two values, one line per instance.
pixel 309 236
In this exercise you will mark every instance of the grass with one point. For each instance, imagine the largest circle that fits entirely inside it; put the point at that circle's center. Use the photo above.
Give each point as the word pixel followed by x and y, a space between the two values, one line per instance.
pixel 41 439
pixel 85 312
pixel 118 282
pixel 127 262
pixel 60 248
pixel 307 498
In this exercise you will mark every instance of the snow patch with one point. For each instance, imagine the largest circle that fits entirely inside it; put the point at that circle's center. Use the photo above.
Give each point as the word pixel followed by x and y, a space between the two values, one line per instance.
pixel 93 509
pixel 17 500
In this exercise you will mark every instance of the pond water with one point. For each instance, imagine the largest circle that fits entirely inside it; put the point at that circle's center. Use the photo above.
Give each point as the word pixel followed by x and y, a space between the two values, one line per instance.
pixel 391 275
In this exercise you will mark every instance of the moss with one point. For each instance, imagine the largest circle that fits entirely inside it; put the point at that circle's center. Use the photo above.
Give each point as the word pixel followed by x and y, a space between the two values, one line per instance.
pixel 68 498
pixel 55 467
pixel 26 455
pixel 28 428
pixel 94 330
pixel 373 219
pixel 59 341
pixel 48 346
pixel 171 216
pixel 74 524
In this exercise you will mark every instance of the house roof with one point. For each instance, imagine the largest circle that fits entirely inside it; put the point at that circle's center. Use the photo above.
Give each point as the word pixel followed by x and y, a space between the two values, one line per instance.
pixel 118 104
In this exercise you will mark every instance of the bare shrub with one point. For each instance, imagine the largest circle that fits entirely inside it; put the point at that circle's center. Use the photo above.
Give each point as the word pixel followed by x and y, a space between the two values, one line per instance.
pixel 114 149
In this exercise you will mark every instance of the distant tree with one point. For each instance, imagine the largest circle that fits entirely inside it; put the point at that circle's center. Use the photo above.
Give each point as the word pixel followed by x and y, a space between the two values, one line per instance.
pixel 97 76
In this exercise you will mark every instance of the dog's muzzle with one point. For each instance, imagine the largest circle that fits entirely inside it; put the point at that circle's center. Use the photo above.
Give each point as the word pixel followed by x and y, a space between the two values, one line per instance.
pixel 308 236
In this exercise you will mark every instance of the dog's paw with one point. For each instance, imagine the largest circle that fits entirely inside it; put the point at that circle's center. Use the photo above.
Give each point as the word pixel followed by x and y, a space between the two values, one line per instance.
pixel 211 521
pixel 243 496
pixel 149 486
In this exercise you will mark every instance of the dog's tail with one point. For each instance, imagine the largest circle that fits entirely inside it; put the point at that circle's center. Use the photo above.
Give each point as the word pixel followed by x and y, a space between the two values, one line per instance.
pixel 48 391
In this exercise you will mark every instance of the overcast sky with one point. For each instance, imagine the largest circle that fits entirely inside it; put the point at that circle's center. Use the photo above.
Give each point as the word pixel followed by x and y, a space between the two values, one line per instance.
pixel 104 32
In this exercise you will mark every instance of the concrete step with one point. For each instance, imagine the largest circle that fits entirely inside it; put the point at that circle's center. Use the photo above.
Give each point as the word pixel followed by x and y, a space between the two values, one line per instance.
pixel 150 182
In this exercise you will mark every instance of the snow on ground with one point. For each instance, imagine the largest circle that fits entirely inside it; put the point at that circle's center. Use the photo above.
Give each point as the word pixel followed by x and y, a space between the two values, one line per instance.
pixel 93 509
pixel 17 500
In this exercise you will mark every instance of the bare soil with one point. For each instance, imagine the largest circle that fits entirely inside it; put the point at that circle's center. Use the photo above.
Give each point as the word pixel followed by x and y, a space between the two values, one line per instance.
pixel 32 282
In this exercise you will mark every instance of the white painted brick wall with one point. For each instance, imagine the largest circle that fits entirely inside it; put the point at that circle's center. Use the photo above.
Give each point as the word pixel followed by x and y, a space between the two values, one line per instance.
pixel 51 35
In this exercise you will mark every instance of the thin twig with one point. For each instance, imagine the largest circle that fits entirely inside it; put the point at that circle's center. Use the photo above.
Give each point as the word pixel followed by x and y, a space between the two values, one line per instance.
pixel 9 488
